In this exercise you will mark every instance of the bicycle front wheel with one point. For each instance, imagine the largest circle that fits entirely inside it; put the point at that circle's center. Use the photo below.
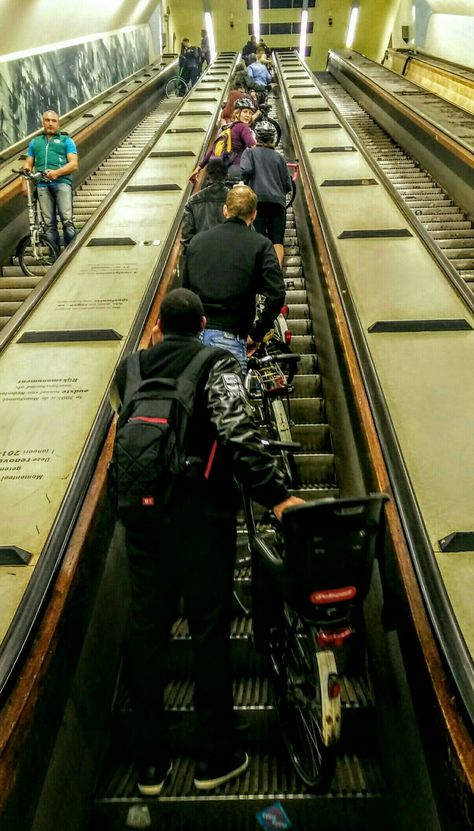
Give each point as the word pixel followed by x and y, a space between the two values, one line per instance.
pixel 309 719
pixel 36 259
pixel 176 88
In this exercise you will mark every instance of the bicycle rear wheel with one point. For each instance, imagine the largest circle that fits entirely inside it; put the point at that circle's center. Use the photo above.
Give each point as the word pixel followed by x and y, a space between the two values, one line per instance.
pixel 46 255
pixel 290 197
pixel 309 719
pixel 176 88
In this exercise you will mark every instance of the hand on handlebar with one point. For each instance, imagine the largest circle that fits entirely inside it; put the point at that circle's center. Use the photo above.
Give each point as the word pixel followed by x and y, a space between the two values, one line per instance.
pixel 252 346
pixel 291 502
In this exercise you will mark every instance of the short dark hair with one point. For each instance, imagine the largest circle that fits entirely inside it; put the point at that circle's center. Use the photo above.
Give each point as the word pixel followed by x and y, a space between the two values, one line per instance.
pixel 181 311
pixel 217 170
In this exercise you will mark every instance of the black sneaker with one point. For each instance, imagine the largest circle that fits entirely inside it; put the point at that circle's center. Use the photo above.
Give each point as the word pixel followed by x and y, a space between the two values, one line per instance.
pixel 214 773
pixel 151 779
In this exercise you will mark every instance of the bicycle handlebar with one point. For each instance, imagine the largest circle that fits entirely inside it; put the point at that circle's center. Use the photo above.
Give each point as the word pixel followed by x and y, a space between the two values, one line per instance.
pixel 278 357
pixel 40 176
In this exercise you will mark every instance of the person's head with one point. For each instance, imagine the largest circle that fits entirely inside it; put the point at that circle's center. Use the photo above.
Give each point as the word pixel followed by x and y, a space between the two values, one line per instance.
pixel 237 85
pixel 203 33
pixel 181 312
pixel 217 170
pixel 252 58
pixel 243 110
pixel 185 43
pixel 252 39
pixel 241 203
pixel 240 67
pixel 265 133
pixel 50 122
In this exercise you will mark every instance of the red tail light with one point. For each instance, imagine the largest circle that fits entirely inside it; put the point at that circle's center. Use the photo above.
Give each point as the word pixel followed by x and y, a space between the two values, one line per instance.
pixel 326 639
pixel 288 336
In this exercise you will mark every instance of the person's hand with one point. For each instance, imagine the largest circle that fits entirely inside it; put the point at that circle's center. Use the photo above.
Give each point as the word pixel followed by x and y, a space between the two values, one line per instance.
pixel 195 174
pixel 252 346
pixel 52 174
pixel 291 502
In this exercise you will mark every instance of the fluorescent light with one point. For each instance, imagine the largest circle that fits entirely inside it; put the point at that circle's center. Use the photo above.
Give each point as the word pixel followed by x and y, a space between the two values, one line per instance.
pixel 352 26
pixel 210 33
pixel 303 30
pixel 139 9
pixel 256 18
pixel 413 12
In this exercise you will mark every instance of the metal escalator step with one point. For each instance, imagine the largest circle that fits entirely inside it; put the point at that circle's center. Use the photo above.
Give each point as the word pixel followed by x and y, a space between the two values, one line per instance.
pixel 17 282
pixel 13 295
pixel 306 386
pixel 315 492
pixel 296 310
pixel 354 800
pixel 312 437
pixel 308 411
pixel 302 344
pixel 300 326
pixel 315 468
pixel 294 284
pixel 296 297
pixel 8 308
pixel 290 271
pixel 308 364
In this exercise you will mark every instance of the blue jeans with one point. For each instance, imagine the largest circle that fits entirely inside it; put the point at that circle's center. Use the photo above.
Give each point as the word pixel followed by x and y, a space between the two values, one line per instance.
pixel 226 340
pixel 57 197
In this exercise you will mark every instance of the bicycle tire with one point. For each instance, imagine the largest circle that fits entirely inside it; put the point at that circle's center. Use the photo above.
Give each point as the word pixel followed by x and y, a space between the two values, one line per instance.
pixel 280 427
pixel 46 255
pixel 290 197
pixel 299 677
pixel 176 88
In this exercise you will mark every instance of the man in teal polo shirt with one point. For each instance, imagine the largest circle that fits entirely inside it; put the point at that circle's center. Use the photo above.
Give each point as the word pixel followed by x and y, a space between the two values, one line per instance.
pixel 56 155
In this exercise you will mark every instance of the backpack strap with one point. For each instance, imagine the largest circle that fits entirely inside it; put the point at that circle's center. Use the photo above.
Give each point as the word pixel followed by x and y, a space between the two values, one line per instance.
pixel 133 379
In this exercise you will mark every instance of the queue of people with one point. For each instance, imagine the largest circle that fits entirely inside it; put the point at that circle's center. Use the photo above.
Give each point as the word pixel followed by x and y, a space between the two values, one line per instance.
pixel 233 250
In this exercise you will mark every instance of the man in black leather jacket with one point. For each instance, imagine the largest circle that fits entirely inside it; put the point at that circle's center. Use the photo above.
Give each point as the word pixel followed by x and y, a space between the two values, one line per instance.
pixel 205 209
pixel 191 551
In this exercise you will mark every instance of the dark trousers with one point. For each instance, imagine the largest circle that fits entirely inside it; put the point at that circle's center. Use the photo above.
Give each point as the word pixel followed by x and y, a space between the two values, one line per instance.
pixel 191 553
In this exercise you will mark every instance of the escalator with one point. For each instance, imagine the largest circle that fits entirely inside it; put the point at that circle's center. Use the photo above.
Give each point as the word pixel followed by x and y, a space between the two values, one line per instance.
pixel 358 796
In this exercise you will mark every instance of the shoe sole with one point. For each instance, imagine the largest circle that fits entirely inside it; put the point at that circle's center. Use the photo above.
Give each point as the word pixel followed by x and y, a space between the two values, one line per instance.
pixel 154 790
pixel 209 784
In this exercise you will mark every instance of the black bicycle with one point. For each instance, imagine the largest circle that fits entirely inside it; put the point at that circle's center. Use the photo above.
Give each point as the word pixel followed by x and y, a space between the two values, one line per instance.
pixel 34 251
pixel 309 579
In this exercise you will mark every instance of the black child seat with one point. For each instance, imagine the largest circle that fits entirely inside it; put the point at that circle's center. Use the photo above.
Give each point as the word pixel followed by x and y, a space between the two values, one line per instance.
pixel 329 548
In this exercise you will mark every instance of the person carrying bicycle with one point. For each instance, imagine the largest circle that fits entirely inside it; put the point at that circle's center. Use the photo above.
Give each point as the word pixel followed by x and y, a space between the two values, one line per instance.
pixel 55 154
pixel 265 171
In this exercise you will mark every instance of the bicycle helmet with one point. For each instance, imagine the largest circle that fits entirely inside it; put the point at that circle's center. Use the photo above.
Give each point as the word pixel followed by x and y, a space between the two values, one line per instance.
pixel 244 104
pixel 265 132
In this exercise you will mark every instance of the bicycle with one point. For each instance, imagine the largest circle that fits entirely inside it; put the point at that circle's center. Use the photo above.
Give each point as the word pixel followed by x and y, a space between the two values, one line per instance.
pixel 309 581
pixel 269 389
pixel 35 251
pixel 177 87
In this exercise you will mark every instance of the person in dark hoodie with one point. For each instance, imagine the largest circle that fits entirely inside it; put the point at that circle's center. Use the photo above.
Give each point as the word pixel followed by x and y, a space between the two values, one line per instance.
pixel 265 171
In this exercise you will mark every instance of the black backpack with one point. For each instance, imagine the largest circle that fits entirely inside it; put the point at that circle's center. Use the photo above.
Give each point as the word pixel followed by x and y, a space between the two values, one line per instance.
pixel 151 442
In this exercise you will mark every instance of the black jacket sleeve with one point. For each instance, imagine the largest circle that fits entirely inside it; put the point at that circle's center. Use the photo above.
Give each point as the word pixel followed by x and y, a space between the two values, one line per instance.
pixel 272 286
pixel 230 413
pixel 188 229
